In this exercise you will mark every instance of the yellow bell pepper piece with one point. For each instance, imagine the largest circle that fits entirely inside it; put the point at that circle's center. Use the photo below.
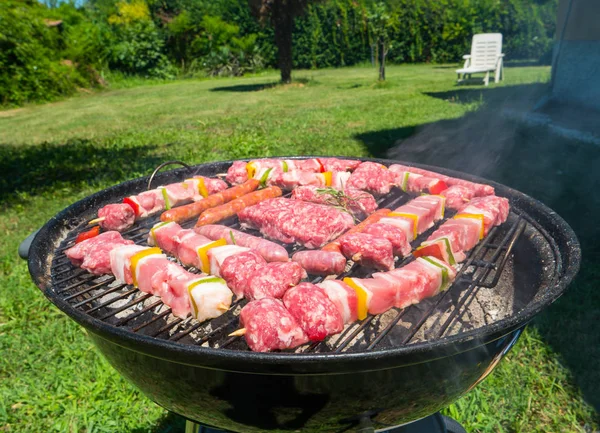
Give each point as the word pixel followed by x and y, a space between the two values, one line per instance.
pixel 203 253
pixel 474 216
pixel 135 259
pixel 362 308
pixel 410 216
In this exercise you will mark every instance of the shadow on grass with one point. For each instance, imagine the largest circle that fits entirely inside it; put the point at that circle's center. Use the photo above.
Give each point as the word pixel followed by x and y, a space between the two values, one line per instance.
pixel 47 167
pixel 245 87
pixel 561 173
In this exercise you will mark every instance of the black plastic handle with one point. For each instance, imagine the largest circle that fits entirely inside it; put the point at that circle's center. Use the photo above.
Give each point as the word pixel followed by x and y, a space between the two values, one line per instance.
pixel 26 244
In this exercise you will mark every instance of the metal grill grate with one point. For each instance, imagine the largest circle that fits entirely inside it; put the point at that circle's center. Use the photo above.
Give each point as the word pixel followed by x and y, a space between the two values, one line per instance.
pixel 124 306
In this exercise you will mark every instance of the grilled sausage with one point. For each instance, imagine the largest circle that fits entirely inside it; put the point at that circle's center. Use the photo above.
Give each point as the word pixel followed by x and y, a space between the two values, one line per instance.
pixel 194 209
pixel 270 251
pixel 371 219
pixel 318 262
pixel 219 213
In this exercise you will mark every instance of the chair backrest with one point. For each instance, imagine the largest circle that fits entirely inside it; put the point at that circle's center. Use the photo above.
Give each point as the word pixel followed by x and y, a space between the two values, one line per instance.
pixel 485 49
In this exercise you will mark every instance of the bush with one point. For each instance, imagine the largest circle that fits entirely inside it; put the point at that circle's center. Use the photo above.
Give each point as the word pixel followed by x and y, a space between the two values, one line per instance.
pixel 32 66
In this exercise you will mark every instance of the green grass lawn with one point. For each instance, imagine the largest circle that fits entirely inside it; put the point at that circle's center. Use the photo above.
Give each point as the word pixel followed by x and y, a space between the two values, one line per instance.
pixel 52 378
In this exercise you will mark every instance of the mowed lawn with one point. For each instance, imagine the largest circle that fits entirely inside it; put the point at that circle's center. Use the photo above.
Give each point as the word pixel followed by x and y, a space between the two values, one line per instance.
pixel 53 379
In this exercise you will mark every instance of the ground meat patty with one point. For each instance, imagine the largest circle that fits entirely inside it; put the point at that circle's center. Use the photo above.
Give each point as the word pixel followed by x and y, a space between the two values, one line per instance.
pixel 368 250
pixel 269 326
pixel 318 262
pixel 373 178
pixel 287 220
pixel 273 280
pixel 238 269
pixel 316 314
pixel 360 203
pixel 393 234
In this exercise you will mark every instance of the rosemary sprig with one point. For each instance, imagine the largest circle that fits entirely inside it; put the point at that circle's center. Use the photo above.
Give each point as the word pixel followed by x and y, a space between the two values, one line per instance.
pixel 340 200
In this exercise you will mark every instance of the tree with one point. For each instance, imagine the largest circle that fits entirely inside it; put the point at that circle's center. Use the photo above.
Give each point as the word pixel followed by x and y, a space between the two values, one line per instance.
pixel 281 14
pixel 380 22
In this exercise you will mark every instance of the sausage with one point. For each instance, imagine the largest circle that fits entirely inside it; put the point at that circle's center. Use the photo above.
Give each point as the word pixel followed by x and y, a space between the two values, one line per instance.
pixel 192 210
pixel 219 213
pixel 371 219
pixel 270 251
pixel 318 262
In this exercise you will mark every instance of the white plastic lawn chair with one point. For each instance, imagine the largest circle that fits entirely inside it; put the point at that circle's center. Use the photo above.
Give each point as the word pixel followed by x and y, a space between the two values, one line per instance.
pixel 486 56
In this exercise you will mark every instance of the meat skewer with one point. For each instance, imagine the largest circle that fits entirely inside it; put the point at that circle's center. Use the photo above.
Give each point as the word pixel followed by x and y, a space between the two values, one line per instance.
pixel 151 272
pixel 240 171
pixel 192 210
pixel 460 234
pixel 478 188
pixel 244 269
pixel 121 216
pixel 270 251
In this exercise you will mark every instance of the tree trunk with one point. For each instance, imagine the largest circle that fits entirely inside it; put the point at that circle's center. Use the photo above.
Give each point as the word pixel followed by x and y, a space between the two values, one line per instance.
pixel 283 21
pixel 381 60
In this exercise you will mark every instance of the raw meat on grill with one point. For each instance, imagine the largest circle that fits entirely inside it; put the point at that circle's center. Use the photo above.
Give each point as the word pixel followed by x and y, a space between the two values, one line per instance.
pixel 289 180
pixel 308 224
pixel 117 216
pixel 416 216
pixel 273 280
pixel 336 164
pixel 417 183
pixel 93 254
pixel 122 216
pixel 372 177
pixel 316 314
pixel 227 210
pixel 270 251
pixel 368 250
pixel 360 203
pixel 188 245
pixel 451 240
pixel 494 210
pixel 238 269
pixel 410 284
pixel 319 262
pixel 457 196
pixel 344 298
pixel 371 219
pixel 237 173
pixel 120 262
pixel 217 255
pixel 393 234
pixel 209 297
pixel 165 236
pixel 478 188
pixel 240 170
pixel 270 326
pixel 185 244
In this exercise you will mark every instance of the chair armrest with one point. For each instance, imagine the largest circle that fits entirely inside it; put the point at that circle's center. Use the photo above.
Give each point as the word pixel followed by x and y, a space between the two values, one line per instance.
pixel 501 55
pixel 467 56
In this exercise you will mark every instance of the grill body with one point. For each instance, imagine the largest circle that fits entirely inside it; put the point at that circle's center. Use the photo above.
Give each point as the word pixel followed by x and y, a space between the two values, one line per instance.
pixel 327 392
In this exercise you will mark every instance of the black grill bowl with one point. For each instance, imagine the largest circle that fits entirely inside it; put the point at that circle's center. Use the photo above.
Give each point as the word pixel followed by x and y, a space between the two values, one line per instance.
pixel 318 392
